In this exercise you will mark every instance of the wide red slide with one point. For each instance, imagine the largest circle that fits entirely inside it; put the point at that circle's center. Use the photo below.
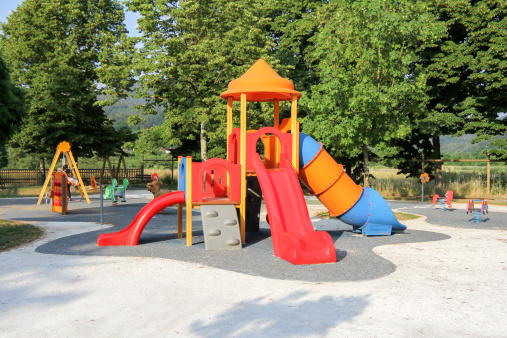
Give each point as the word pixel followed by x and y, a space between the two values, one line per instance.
pixel 130 235
pixel 292 233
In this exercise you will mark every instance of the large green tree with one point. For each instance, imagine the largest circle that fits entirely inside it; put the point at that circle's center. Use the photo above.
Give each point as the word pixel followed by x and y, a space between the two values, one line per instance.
pixel 190 51
pixel 466 71
pixel 12 108
pixel 64 52
pixel 369 84
pixel 292 24
pixel 11 104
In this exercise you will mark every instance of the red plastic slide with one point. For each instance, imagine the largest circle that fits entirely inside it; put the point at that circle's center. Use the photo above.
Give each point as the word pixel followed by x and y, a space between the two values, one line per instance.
pixel 294 238
pixel 130 235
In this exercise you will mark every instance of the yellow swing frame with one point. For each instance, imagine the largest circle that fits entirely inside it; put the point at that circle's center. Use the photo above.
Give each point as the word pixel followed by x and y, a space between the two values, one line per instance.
pixel 64 148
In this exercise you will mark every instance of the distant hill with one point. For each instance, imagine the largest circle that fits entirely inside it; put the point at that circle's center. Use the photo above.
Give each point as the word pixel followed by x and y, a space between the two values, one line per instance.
pixel 121 110
pixel 450 145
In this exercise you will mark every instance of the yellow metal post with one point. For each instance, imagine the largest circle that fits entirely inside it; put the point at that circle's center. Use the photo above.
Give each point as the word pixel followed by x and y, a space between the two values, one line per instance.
pixel 80 180
pixel 277 113
pixel 229 122
pixel 48 177
pixel 278 146
pixel 295 132
pixel 180 205
pixel 242 206
pixel 188 202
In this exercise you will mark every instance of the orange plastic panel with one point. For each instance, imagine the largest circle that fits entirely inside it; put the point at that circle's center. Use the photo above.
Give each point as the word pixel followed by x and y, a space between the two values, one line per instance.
pixel 321 173
pixel 334 188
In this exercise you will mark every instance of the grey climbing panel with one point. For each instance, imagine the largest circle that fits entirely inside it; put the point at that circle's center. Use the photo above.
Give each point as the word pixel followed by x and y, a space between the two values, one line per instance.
pixel 220 227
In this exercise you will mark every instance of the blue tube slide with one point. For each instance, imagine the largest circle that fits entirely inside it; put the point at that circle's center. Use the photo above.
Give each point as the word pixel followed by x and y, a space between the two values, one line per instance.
pixel 370 215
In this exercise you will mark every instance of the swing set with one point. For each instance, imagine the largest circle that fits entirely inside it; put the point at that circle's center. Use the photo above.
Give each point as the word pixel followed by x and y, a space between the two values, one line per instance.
pixel 64 148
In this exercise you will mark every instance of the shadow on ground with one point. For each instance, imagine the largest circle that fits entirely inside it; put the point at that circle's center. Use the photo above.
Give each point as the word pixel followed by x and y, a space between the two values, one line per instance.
pixel 293 315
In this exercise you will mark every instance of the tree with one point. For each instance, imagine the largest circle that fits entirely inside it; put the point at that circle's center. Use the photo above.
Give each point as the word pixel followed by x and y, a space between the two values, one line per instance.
pixel 292 24
pixel 63 52
pixel 11 104
pixel 466 72
pixel 12 108
pixel 365 53
pixel 191 50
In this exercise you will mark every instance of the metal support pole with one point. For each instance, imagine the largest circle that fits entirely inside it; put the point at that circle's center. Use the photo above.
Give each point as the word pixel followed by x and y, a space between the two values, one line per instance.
pixel 101 203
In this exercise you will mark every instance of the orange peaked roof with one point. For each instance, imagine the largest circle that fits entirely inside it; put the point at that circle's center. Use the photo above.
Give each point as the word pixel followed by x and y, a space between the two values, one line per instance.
pixel 261 83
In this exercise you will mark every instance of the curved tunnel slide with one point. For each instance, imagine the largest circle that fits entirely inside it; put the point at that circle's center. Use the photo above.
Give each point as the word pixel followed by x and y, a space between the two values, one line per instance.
pixel 130 235
pixel 363 208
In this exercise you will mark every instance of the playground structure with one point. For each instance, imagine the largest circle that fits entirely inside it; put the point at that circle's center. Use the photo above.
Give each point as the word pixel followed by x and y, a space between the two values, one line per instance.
pixel 477 212
pixel 444 202
pixel 63 149
pixel 116 191
pixel 219 186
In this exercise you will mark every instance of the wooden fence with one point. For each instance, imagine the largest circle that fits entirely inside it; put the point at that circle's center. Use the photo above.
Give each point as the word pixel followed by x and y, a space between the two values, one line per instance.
pixel 13 177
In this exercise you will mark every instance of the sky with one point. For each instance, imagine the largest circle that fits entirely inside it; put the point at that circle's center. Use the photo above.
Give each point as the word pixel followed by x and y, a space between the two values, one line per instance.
pixel 7 6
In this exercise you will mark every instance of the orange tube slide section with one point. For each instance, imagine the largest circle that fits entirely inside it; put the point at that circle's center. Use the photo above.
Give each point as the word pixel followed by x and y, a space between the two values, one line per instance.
pixel 327 180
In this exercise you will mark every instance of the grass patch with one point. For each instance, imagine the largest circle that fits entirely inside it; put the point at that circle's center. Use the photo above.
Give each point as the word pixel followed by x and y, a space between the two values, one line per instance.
pixel 401 216
pixel 465 181
pixel 28 191
pixel 13 234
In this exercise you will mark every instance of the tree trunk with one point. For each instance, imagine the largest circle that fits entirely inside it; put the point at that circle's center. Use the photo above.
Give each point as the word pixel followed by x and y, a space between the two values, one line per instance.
pixel 42 166
pixel 438 165
pixel 366 167
pixel 348 169
pixel 204 143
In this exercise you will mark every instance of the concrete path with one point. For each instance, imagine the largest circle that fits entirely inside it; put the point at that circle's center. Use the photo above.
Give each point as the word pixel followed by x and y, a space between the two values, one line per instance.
pixel 454 286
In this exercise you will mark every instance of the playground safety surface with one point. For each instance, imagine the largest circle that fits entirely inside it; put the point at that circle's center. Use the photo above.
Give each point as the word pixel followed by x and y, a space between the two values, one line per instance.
pixel 159 238
pixel 442 279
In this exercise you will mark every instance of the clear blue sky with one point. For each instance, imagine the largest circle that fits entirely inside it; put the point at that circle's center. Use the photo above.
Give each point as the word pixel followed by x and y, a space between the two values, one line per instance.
pixel 7 6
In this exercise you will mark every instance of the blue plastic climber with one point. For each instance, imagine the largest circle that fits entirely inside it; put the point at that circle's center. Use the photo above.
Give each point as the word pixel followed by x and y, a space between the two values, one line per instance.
pixel 482 210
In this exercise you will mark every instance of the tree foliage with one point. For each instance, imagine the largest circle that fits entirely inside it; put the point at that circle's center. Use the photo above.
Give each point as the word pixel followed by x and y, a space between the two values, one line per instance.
pixel 466 72
pixel 369 84
pixel 11 104
pixel 467 69
pixel 191 51
pixel 60 51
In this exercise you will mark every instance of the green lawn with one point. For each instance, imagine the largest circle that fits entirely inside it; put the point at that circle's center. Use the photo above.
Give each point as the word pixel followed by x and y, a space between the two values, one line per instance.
pixel 13 234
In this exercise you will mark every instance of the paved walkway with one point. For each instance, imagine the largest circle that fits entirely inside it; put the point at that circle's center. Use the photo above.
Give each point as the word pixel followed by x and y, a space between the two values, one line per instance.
pixel 433 280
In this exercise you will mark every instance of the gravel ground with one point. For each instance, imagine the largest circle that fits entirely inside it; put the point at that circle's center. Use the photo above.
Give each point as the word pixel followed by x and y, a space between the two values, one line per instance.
pixel 159 239
pixel 433 280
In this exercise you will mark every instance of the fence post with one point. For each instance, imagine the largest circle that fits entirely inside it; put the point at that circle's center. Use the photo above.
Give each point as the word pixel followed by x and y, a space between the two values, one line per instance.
pixel 142 168
pixel 488 178
pixel 172 169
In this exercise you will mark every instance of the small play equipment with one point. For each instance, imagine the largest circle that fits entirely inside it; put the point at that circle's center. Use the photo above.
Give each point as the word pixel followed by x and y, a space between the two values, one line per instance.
pixel 222 187
pixel 155 187
pixel 64 148
pixel 115 191
pixel 59 193
pixel 444 202
pixel 477 212
pixel 425 178
pixel 93 183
